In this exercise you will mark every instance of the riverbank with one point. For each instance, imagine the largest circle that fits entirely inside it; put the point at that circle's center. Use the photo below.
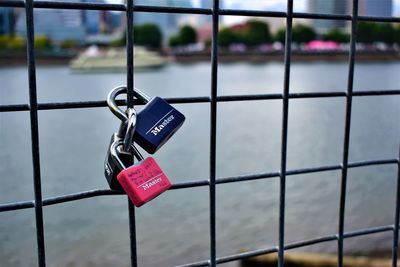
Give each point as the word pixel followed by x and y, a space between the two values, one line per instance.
pixel 18 59
pixel 315 260
pixel 297 56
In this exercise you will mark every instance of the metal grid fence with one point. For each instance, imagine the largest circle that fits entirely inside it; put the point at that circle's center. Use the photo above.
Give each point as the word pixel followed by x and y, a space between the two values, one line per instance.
pixel 215 12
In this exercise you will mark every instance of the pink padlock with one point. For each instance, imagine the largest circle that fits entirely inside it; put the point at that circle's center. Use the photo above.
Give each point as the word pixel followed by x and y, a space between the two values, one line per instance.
pixel 143 181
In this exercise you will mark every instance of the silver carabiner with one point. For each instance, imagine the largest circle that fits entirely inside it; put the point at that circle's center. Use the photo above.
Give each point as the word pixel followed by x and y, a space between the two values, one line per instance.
pixel 114 151
pixel 130 129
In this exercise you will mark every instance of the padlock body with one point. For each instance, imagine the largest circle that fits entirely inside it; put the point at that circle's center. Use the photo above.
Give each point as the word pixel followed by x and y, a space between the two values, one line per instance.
pixel 111 169
pixel 156 123
pixel 143 181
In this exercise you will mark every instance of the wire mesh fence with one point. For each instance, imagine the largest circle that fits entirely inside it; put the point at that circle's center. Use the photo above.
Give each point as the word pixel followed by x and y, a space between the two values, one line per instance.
pixel 213 99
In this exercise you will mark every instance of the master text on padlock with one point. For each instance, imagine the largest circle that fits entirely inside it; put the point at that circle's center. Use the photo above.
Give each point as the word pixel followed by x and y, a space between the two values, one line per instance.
pixel 151 182
pixel 157 129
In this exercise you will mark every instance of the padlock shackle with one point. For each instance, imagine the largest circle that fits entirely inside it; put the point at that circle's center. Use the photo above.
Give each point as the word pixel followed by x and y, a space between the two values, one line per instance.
pixel 114 153
pixel 112 104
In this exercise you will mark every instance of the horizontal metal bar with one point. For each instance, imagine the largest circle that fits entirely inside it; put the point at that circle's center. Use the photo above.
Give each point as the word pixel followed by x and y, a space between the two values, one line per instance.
pixel 243 178
pixel 106 6
pixel 14 107
pixel 190 100
pixel 368 231
pixel 176 10
pixel 303 15
pixel 372 162
pixel 378 19
pixel 376 92
pixel 82 195
pixel 187 10
pixel 79 5
pixel 192 184
pixel 293 245
pixel 65 5
pixel 12 3
pixel 251 13
pixel 17 206
pixel 95 104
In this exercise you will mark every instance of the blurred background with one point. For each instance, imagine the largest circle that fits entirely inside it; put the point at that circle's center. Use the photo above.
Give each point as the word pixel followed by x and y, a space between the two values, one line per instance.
pixel 81 55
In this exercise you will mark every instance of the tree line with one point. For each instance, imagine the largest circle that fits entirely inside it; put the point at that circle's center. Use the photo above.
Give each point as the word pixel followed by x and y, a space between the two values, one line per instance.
pixel 257 32
pixel 252 33
pixel 41 42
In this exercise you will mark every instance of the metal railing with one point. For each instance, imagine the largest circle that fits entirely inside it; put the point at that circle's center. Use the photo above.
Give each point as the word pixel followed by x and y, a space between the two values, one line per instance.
pixel 129 8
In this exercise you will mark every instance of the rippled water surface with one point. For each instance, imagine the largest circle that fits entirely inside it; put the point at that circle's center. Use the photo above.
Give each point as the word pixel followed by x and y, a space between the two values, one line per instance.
pixel 174 228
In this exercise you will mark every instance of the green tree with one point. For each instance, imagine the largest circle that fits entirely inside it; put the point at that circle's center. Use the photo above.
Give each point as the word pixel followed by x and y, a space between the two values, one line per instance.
pixel 4 41
pixel 174 41
pixel 384 32
pixel 369 32
pixel 303 34
pixel 336 35
pixel 365 32
pixel 187 35
pixel 397 34
pixel 17 43
pixel 148 35
pixel 280 35
pixel 69 44
pixel 226 37
pixel 256 33
pixel 42 42
pixel 119 42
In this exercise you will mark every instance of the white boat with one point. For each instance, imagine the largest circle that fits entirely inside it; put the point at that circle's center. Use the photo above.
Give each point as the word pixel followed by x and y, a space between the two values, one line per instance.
pixel 114 59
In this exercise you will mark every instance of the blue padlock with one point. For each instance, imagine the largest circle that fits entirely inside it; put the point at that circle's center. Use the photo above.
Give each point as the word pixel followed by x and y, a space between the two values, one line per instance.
pixel 156 122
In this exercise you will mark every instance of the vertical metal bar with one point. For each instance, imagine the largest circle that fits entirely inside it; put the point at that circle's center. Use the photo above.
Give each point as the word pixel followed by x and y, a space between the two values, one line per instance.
pixel 129 52
pixel 213 129
pixel 129 103
pixel 33 112
pixel 346 142
pixel 396 218
pixel 132 234
pixel 285 115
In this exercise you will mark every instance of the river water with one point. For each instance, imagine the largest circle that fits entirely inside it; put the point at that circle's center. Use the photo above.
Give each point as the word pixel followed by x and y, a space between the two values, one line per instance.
pixel 174 228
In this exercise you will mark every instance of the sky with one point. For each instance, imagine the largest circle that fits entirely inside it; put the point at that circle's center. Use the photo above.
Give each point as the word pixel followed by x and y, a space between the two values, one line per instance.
pixel 272 5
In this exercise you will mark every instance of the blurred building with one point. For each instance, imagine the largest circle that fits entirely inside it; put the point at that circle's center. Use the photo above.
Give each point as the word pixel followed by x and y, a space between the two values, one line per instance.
pixel 63 24
pixel 365 8
pixel 92 21
pixel 382 8
pixel 167 22
pixel 97 22
pixel 57 24
pixel 328 7
pixel 6 20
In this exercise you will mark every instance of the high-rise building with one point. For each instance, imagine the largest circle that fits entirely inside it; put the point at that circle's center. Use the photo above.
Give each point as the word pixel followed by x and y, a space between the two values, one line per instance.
pixel 91 20
pixel 382 8
pixel 365 8
pixel 6 20
pixel 328 7
pixel 57 24
pixel 61 24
